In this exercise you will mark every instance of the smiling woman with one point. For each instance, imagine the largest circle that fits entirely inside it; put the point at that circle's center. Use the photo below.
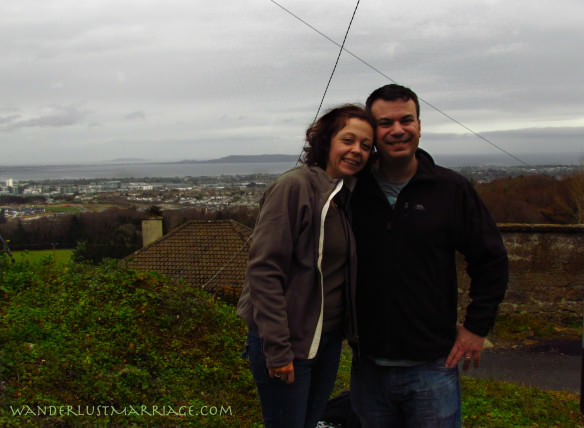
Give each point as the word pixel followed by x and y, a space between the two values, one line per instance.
pixel 298 299
pixel 350 148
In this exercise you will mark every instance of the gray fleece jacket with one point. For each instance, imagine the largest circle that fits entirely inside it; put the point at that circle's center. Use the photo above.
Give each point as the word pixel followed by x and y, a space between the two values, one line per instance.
pixel 282 299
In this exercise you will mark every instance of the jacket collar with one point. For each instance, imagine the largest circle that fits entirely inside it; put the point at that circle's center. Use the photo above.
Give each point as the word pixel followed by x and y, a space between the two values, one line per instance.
pixel 349 182
pixel 426 166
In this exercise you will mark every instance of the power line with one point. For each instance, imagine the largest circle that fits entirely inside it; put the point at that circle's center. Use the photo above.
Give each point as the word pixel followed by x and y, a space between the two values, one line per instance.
pixel 342 46
pixel 378 71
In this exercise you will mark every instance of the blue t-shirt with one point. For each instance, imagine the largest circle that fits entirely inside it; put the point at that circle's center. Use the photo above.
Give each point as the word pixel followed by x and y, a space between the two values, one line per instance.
pixel 391 190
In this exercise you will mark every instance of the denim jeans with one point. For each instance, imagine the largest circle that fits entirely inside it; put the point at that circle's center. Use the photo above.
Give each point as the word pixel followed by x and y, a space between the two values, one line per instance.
pixel 301 403
pixel 424 396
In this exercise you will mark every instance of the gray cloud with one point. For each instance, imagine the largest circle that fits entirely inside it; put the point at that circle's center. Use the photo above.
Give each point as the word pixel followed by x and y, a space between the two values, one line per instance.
pixel 136 115
pixel 249 77
pixel 54 117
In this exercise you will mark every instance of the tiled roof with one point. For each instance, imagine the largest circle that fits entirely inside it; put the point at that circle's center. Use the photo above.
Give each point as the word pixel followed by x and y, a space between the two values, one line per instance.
pixel 209 253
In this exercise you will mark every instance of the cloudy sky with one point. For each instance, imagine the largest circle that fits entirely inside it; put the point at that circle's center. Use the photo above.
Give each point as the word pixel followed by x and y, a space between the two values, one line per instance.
pixel 97 80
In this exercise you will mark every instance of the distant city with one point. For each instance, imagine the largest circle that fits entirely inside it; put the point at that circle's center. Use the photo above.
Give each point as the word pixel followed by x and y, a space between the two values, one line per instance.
pixel 239 184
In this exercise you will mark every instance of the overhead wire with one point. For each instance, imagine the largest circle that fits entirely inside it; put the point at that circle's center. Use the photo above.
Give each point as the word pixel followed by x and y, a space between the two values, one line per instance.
pixel 336 62
pixel 222 268
pixel 378 71
pixel 341 46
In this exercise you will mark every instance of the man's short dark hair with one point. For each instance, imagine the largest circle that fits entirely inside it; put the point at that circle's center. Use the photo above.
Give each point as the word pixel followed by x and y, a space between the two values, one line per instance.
pixel 391 93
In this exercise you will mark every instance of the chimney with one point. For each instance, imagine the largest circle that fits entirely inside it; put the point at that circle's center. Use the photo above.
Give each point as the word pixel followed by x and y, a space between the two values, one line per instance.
pixel 151 230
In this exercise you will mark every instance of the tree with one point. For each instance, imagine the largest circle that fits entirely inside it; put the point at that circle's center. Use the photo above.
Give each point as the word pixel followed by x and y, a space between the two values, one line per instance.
pixel 571 199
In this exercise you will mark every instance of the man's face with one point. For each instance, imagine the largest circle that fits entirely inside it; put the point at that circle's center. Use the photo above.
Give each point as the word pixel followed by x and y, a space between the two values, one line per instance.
pixel 398 129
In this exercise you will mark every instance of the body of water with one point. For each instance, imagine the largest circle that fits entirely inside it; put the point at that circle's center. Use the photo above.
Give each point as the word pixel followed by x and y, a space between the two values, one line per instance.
pixel 139 170
pixel 169 169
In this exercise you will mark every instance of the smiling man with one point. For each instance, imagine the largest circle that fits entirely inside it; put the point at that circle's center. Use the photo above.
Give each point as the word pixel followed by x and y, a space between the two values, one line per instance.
pixel 410 216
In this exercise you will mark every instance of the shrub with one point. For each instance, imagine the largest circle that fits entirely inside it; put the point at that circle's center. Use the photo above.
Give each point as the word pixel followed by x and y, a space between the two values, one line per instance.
pixel 107 336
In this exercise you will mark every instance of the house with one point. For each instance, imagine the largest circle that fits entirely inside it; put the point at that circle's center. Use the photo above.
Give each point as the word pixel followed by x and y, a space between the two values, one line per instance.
pixel 211 254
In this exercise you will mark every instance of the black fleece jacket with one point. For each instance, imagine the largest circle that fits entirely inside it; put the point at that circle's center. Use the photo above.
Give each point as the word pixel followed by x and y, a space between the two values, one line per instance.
pixel 407 289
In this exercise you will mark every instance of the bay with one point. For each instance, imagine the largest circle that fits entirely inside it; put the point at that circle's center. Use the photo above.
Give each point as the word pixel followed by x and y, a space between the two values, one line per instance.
pixel 139 170
pixel 198 169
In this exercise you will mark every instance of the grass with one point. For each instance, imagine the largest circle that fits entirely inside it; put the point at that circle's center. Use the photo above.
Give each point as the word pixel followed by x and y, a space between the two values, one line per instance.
pixel 64 209
pixel 37 256
pixel 528 328
pixel 105 338
pixel 487 403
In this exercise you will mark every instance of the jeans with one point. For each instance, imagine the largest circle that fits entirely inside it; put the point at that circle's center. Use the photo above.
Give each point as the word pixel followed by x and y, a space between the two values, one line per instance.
pixel 421 396
pixel 301 403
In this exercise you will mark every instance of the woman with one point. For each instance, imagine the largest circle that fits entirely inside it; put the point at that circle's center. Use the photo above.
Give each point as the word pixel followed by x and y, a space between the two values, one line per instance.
pixel 297 300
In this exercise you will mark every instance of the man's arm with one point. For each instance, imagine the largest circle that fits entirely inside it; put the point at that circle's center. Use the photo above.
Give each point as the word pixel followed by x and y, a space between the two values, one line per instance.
pixel 482 246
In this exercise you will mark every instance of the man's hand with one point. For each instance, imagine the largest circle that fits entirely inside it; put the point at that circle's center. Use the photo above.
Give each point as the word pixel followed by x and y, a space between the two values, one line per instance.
pixel 285 374
pixel 468 346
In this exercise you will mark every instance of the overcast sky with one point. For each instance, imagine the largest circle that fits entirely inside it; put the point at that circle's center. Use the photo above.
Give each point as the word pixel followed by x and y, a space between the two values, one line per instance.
pixel 97 80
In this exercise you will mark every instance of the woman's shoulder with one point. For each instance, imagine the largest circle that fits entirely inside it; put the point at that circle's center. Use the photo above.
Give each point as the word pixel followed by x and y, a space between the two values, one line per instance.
pixel 303 175
pixel 299 182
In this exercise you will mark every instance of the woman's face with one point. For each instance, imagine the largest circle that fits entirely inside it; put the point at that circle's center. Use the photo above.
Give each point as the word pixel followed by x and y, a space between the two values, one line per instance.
pixel 350 148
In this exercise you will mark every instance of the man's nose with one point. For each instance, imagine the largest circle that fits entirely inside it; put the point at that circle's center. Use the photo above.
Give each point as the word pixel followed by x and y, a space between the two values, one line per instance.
pixel 397 129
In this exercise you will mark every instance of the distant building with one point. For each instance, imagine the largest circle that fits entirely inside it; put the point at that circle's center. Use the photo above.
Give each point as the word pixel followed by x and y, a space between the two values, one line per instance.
pixel 211 254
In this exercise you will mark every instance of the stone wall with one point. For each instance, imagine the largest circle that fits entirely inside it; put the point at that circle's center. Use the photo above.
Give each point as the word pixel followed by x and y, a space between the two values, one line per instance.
pixel 546 270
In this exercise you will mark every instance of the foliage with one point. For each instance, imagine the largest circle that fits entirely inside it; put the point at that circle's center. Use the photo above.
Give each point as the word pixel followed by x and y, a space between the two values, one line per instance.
pixel 524 328
pixel 78 335
pixel 21 200
pixel 535 198
pixel 111 233
pixel 487 403
pixel 41 256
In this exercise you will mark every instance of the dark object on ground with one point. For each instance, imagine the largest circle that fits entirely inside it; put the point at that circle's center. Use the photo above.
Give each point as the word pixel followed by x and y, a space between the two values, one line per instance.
pixel 339 413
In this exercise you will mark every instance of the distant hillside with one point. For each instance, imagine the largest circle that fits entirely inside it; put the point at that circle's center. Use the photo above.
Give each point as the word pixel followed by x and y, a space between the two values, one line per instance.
pixel 248 159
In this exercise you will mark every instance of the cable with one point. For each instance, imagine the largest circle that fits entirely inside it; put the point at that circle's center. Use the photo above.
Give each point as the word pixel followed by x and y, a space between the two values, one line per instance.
pixel 336 62
pixel 476 134
pixel 342 47
pixel 222 268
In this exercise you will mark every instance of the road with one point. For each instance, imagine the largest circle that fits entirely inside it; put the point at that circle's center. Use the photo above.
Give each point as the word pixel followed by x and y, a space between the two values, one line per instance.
pixel 553 365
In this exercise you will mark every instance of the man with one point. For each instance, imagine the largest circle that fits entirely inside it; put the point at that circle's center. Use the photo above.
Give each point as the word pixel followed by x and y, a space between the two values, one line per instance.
pixel 410 216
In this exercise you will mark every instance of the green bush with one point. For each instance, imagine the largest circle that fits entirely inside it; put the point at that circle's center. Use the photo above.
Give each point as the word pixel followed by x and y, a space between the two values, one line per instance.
pixel 83 336
pixel 104 340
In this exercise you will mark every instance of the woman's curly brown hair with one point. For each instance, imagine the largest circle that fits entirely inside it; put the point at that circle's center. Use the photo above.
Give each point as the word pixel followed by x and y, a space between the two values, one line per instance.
pixel 320 133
